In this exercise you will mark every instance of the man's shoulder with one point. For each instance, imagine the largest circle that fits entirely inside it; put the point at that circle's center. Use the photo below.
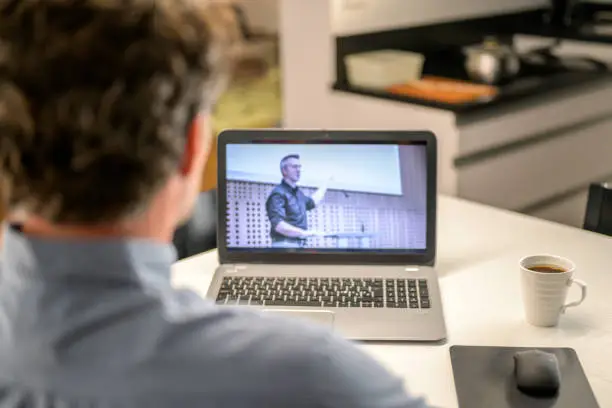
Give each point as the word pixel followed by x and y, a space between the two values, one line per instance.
pixel 278 190
pixel 279 362
pixel 225 346
pixel 242 331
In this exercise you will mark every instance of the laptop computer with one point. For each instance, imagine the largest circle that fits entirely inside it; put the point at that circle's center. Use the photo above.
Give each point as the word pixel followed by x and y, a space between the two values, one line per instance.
pixel 334 226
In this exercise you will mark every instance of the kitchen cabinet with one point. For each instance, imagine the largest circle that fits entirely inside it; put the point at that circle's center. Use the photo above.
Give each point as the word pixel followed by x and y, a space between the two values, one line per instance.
pixel 516 159
pixel 569 210
pixel 540 158
pixel 518 178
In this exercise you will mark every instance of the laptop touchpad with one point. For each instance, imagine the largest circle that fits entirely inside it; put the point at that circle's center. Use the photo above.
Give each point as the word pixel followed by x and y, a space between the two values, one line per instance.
pixel 321 317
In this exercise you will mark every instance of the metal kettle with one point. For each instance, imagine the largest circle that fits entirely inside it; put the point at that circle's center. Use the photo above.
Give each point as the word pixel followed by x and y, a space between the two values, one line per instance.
pixel 491 62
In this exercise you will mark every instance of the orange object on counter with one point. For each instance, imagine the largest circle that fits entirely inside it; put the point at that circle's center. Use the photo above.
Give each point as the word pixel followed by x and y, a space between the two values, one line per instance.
pixel 445 90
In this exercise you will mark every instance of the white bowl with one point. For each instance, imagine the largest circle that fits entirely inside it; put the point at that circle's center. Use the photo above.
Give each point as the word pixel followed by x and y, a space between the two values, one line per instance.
pixel 383 68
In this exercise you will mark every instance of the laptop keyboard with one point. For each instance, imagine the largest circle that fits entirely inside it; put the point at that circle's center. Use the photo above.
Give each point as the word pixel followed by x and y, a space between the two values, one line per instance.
pixel 325 292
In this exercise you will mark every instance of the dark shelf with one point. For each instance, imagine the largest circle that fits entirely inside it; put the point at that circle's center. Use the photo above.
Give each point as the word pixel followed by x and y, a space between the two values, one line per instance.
pixel 523 89
pixel 442 46
pixel 585 33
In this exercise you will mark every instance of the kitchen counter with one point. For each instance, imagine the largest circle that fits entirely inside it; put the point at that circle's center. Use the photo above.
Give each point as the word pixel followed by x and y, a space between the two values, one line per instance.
pixel 442 45
pixel 588 33
pixel 522 91
pixel 492 145
pixel 534 148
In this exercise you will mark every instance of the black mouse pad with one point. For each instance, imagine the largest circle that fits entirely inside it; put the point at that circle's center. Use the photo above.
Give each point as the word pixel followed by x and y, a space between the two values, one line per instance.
pixel 484 378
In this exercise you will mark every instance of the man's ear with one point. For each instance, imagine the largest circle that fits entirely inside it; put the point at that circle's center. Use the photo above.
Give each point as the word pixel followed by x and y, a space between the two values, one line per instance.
pixel 195 146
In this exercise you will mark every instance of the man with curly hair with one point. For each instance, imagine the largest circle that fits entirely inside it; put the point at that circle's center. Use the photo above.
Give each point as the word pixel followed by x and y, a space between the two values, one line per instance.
pixel 103 137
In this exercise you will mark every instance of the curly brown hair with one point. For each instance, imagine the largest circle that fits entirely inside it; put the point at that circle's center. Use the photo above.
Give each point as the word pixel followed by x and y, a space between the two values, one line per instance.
pixel 96 97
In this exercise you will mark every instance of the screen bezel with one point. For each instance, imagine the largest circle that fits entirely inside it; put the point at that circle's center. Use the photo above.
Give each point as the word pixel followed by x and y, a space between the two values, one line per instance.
pixel 301 256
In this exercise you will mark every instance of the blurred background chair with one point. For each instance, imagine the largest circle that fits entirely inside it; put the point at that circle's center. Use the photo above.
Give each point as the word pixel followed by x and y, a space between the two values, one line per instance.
pixel 598 217
pixel 199 234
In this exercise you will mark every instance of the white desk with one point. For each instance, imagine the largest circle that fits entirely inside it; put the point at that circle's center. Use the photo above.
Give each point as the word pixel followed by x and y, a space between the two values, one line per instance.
pixel 478 251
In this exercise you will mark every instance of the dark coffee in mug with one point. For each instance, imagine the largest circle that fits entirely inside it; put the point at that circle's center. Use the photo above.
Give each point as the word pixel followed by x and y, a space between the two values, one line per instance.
pixel 547 269
pixel 545 280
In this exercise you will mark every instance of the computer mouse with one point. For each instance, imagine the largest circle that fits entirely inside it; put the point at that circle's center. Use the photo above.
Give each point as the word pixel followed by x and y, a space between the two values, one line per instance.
pixel 537 373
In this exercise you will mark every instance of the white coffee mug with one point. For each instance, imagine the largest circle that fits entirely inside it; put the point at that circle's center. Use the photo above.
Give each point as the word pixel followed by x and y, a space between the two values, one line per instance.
pixel 544 293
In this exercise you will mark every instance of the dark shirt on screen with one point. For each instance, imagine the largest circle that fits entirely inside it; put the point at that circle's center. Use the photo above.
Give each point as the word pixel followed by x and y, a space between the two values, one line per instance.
pixel 289 204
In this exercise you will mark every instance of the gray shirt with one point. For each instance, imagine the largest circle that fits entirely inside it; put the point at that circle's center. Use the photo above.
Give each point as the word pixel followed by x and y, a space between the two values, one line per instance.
pixel 97 324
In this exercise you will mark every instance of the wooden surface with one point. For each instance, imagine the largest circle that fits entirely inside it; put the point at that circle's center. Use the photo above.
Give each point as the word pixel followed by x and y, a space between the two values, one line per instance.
pixel 444 90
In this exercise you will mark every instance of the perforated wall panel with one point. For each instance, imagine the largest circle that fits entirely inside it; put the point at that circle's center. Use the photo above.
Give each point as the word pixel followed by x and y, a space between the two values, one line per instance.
pixel 385 216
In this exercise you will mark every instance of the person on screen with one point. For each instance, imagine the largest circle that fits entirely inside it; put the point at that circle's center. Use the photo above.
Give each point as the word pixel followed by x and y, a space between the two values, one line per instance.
pixel 287 207
pixel 104 134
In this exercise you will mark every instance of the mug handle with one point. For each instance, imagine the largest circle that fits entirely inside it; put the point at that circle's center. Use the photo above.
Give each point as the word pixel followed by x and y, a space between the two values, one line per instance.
pixel 583 289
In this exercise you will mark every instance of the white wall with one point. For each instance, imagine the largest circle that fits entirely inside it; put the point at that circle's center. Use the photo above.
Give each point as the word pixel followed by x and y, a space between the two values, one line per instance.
pixel 361 168
pixel 358 16
pixel 308 61
pixel 355 16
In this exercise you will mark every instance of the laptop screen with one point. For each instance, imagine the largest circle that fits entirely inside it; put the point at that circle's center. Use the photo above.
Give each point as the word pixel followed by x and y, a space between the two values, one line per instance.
pixel 327 197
